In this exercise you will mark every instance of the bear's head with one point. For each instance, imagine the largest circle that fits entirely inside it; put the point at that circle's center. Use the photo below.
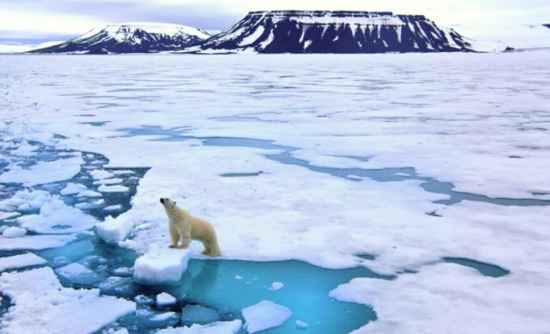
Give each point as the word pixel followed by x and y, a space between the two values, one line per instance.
pixel 167 203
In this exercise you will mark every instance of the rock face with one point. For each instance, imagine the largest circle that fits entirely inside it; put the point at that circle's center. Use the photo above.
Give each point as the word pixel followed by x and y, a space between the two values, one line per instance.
pixel 131 38
pixel 336 32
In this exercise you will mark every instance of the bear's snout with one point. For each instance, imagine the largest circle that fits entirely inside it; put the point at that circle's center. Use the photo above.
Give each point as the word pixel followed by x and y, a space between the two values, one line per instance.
pixel 162 200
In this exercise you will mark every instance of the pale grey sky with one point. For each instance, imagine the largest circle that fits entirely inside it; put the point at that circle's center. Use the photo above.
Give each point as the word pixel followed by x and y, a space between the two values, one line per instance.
pixel 62 19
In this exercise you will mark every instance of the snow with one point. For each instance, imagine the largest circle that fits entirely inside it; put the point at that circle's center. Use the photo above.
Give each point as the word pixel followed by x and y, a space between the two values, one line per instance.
pixel 466 119
pixel 20 261
pixel 43 172
pixel 165 299
pixel 219 327
pixel 56 217
pixel 276 286
pixel 264 315
pixel 112 189
pixel 257 33
pixel 161 266
pixel 14 232
pixel 41 305
pixel 114 230
pixel 35 242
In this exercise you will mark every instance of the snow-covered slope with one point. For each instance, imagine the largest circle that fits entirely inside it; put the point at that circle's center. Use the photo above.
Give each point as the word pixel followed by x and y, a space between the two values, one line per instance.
pixel 336 32
pixel 131 38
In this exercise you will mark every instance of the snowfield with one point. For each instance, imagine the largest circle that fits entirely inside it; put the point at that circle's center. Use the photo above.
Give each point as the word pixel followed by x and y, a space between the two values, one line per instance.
pixel 390 162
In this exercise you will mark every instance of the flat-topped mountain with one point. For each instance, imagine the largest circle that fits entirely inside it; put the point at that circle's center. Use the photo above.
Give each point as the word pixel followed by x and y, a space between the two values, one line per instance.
pixel 336 32
pixel 131 38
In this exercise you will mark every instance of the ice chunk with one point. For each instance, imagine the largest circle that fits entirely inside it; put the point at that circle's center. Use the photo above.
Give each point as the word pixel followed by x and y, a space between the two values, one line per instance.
pixel 57 217
pixel 301 324
pixel 35 242
pixel 113 189
pixel 116 207
pixel 100 174
pixel 90 193
pixel 121 331
pixel 79 274
pixel 123 272
pixel 69 253
pixel 276 286
pixel 196 314
pixel 14 232
pixel 43 306
pixel 20 261
pixel 165 299
pixel 219 327
pixel 8 215
pixel 117 286
pixel 90 205
pixel 113 230
pixel 161 266
pixel 108 181
pixel 73 189
pixel 43 172
pixel 264 315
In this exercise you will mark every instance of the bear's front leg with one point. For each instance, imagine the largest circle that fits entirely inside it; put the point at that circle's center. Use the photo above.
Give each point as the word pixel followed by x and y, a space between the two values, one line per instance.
pixel 185 240
pixel 173 235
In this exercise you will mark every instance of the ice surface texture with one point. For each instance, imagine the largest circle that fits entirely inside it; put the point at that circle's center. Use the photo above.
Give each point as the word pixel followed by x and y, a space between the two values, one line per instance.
pixel 468 120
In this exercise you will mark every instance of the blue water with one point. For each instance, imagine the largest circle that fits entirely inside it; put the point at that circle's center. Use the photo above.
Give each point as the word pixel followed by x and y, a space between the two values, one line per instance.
pixel 486 269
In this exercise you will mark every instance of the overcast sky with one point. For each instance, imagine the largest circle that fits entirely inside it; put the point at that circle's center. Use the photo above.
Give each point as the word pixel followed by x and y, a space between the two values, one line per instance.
pixel 63 19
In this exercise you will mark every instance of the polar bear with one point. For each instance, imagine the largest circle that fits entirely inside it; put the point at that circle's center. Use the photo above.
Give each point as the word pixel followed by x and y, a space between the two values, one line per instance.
pixel 184 227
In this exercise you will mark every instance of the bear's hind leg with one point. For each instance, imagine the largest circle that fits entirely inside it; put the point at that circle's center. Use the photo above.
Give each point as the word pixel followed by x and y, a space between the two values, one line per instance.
pixel 207 250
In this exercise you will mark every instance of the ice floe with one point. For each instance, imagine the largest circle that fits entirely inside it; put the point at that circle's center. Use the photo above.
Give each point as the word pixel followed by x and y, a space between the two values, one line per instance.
pixel 20 261
pixel 161 266
pixel 41 305
pixel 265 315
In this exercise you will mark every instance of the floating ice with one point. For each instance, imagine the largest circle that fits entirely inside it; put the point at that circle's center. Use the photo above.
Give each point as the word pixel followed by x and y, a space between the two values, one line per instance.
pixel 57 217
pixel 276 286
pixel 161 266
pixel 113 189
pixel 20 261
pixel 196 314
pixel 114 230
pixel 35 242
pixel 100 174
pixel 108 181
pixel 89 193
pixel 79 274
pixel 33 199
pixel 219 327
pixel 264 315
pixel 301 324
pixel 8 215
pixel 43 172
pixel 42 305
pixel 117 286
pixel 165 299
pixel 73 189
pixel 14 232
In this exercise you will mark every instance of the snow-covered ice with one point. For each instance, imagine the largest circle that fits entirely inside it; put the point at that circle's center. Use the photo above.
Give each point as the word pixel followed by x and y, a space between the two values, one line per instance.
pixel 276 286
pixel 161 266
pixel 264 315
pixel 42 305
pixel 218 327
pixel 14 232
pixel 20 261
pixel 473 123
pixel 165 299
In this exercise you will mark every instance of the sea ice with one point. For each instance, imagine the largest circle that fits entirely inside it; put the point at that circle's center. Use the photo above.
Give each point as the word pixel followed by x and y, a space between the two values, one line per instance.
pixel 35 242
pixel 100 174
pixel 161 266
pixel 301 324
pixel 276 286
pixel 165 299
pixel 57 217
pixel 79 274
pixel 14 232
pixel 73 189
pixel 265 315
pixel 41 305
pixel 219 327
pixel 114 230
pixel 20 261
pixel 43 172
pixel 113 189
